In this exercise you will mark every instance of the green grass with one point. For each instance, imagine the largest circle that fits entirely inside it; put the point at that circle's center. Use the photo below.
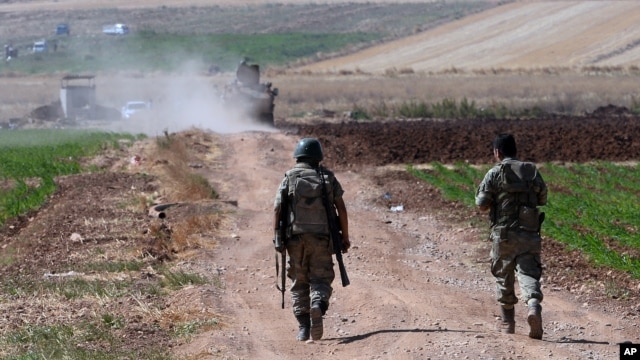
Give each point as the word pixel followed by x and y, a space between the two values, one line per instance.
pixel 113 266
pixel 98 336
pixel 449 109
pixel 187 330
pixel 591 207
pixel 178 279
pixel 31 159
pixel 69 287
pixel 152 51
pixel 76 288
pixel 456 183
pixel 70 342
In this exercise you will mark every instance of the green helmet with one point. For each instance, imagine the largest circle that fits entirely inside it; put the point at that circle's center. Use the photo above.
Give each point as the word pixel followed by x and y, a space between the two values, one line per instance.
pixel 308 148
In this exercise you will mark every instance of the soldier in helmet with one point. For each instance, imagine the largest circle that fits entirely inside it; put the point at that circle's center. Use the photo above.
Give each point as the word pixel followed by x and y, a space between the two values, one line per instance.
pixel 512 191
pixel 308 242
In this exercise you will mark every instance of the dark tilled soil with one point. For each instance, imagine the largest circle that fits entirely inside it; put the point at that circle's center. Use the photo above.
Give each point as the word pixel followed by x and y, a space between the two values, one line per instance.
pixel 563 139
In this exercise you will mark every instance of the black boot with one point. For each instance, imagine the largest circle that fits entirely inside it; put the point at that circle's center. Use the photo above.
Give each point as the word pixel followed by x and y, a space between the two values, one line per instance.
pixel 317 312
pixel 534 318
pixel 507 323
pixel 304 322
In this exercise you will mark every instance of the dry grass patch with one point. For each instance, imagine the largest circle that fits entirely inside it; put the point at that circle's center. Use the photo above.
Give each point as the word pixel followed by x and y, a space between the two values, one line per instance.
pixel 177 161
pixel 186 313
pixel 188 233
pixel 555 90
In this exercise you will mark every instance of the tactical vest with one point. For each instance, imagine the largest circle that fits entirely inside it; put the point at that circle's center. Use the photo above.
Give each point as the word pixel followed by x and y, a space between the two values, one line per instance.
pixel 517 200
pixel 306 210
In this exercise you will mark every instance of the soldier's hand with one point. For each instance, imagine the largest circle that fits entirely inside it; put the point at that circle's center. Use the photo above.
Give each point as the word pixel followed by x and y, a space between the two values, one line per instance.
pixel 280 248
pixel 346 244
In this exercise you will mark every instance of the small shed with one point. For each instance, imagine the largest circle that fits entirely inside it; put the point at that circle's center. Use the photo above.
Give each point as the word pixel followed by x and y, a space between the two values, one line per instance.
pixel 78 96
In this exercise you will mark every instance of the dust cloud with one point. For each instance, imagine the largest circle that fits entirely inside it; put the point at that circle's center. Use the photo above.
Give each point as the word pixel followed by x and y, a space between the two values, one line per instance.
pixel 179 101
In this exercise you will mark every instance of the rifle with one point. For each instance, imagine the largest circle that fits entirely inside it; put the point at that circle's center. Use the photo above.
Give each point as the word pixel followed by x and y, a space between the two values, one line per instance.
pixel 280 271
pixel 334 229
pixel 280 242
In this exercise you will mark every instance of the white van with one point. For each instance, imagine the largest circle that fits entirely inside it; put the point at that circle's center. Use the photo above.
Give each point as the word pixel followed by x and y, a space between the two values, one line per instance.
pixel 40 46
pixel 134 107
pixel 115 29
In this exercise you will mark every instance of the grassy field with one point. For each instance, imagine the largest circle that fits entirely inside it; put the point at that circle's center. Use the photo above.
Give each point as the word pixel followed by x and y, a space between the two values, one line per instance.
pixel 31 159
pixel 148 51
pixel 29 162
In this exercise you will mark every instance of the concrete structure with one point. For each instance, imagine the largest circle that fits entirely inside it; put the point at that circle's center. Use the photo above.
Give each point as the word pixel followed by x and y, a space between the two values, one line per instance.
pixel 78 96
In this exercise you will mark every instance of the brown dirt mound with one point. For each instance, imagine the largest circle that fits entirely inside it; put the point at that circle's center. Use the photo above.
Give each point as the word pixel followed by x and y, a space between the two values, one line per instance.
pixel 50 112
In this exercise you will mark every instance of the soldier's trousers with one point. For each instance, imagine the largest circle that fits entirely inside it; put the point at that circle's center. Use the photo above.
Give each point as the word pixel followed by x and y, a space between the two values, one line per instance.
pixel 310 270
pixel 516 253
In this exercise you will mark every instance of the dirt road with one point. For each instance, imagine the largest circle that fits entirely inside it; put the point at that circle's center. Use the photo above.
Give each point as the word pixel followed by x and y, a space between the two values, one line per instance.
pixel 420 282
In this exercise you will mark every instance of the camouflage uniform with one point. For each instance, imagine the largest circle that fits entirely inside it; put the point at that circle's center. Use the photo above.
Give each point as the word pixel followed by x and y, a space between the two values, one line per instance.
pixel 310 252
pixel 515 249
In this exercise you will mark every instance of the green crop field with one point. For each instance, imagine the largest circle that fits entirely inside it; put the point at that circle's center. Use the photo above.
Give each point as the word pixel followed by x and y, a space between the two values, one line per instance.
pixel 151 51
pixel 31 159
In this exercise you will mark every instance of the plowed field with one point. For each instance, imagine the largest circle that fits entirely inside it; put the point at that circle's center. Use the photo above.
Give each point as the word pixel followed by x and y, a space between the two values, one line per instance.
pixel 518 36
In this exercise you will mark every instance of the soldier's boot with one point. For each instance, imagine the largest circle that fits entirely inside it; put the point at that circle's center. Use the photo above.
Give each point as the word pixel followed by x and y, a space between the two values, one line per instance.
pixel 534 318
pixel 304 324
pixel 507 323
pixel 317 311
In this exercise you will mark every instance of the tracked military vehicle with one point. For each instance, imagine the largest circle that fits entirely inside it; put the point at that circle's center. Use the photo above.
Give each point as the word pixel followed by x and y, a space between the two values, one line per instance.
pixel 247 94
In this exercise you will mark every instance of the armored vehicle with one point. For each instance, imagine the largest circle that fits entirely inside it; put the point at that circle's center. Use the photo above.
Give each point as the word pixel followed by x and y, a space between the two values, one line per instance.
pixel 247 94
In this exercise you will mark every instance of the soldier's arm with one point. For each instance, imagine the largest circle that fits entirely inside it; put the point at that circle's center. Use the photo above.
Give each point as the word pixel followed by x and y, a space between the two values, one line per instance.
pixel 542 195
pixel 276 217
pixel 484 193
pixel 278 203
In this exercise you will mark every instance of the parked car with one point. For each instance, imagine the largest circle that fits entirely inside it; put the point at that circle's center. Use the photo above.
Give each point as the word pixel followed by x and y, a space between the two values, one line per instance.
pixel 63 29
pixel 40 46
pixel 134 107
pixel 115 29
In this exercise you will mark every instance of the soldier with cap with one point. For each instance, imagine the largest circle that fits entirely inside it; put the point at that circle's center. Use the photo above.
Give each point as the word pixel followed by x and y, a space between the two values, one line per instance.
pixel 308 241
pixel 512 190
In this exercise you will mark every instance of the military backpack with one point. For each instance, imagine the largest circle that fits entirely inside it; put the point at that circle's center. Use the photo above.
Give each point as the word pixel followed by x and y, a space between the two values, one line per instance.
pixel 307 212
pixel 518 200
